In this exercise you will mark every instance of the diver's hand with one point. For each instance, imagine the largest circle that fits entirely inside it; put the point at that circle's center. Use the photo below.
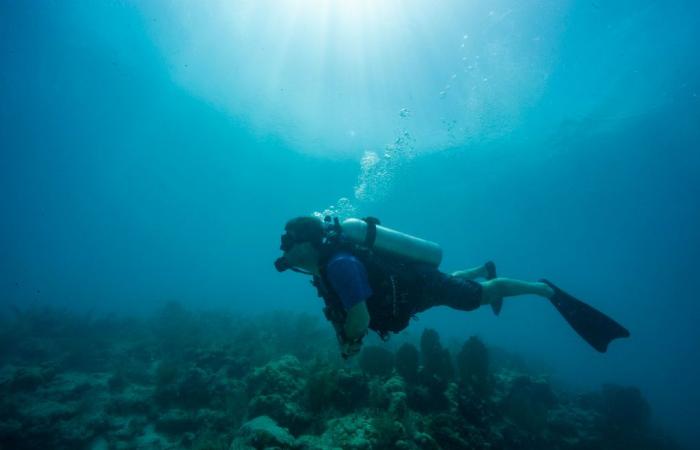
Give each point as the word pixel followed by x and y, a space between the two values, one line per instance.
pixel 350 348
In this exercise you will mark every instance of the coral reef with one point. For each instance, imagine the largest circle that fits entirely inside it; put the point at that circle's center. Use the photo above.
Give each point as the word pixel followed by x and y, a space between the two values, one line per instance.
pixel 214 380
pixel 407 361
pixel 473 365
pixel 376 361
pixel 262 432
pixel 437 368
pixel 276 390
pixel 436 371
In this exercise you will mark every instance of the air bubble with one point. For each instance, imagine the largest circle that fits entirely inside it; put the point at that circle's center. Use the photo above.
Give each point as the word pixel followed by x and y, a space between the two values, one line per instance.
pixel 377 169
pixel 342 209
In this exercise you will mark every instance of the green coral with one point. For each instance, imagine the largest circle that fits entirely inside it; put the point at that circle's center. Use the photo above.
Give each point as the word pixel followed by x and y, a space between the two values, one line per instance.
pixel 277 390
pixel 407 362
pixel 625 410
pixel 387 431
pixel 473 365
pixel 263 432
pixel 528 403
pixel 350 432
pixel 390 396
pixel 330 388
pixel 321 387
pixel 376 361
pixel 208 387
pixel 438 368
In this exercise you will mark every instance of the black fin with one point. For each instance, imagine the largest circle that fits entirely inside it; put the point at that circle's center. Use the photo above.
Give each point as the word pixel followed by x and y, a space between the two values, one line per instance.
pixel 490 275
pixel 497 305
pixel 592 325
pixel 490 270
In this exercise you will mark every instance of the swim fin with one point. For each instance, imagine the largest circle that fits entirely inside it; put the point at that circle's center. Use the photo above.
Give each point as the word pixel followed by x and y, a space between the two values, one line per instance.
pixel 592 325
pixel 490 275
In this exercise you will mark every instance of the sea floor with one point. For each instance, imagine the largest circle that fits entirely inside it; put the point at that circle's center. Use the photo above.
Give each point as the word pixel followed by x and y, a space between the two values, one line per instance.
pixel 217 380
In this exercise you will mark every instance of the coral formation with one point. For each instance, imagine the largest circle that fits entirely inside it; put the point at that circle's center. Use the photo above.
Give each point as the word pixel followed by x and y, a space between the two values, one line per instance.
pixel 528 402
pixel 376 361
pixel 276 389
pixel 206 381
pixel 407 361
pixel 473 365
pixel 437 368
pixel 262 432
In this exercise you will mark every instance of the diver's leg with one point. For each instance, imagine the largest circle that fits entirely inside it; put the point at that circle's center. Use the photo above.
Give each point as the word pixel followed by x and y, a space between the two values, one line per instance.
pixel 470 274
pixel 462 293
pixel 497 288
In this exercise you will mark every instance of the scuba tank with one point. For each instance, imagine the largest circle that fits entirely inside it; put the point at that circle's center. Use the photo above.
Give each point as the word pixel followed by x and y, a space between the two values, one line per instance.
pixel 370 234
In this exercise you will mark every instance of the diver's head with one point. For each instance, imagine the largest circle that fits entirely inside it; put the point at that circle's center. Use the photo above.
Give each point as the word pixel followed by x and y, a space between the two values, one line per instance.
pixel 301 244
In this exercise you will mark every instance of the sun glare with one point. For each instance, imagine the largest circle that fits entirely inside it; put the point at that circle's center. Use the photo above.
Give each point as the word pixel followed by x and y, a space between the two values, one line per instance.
pixel 356 12
pixel 337 76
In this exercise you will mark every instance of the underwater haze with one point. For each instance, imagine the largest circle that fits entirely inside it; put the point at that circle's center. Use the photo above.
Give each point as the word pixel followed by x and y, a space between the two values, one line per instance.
pixel 152 151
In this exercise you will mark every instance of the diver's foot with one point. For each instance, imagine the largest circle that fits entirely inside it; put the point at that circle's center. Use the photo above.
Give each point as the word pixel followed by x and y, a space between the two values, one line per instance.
pixel 548 290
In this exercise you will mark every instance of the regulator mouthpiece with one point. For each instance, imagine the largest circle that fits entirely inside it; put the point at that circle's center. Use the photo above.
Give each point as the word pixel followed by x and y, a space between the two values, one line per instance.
pixel 281 264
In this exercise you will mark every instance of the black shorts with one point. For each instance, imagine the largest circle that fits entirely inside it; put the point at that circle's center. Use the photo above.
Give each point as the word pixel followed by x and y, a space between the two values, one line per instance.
pixel 441 289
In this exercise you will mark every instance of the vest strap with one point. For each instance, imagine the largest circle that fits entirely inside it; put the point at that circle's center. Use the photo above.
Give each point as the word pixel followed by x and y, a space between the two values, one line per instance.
pixel 371 231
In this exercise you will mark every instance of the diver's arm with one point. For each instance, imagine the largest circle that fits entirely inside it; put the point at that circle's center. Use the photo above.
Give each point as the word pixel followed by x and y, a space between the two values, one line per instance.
pixel 356 321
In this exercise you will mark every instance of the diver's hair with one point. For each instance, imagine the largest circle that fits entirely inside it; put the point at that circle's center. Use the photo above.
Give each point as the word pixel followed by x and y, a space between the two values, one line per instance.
pixel 306 229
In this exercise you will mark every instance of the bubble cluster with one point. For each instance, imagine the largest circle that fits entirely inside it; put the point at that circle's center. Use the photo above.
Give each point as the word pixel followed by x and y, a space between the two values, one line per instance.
pixel 378 170
pixel 343 209
pixel 453 77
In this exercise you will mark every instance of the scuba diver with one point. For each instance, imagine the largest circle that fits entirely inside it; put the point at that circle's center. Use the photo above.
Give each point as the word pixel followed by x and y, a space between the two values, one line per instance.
pixel 373 277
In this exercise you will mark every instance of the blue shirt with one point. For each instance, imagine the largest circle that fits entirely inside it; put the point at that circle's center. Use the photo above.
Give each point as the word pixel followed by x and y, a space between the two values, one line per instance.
pixel 348 277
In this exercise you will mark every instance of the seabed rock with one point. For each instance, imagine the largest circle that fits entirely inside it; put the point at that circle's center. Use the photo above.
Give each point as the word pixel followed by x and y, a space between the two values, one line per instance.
pixel 277 390
pixel 262 433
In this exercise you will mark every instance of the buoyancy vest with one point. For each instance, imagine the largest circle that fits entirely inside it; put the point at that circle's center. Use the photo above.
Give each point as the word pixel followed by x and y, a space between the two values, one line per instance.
pixel 396 288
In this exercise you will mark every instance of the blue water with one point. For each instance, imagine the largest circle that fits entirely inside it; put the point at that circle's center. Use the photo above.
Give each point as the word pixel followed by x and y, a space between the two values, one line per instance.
pixel 152 151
